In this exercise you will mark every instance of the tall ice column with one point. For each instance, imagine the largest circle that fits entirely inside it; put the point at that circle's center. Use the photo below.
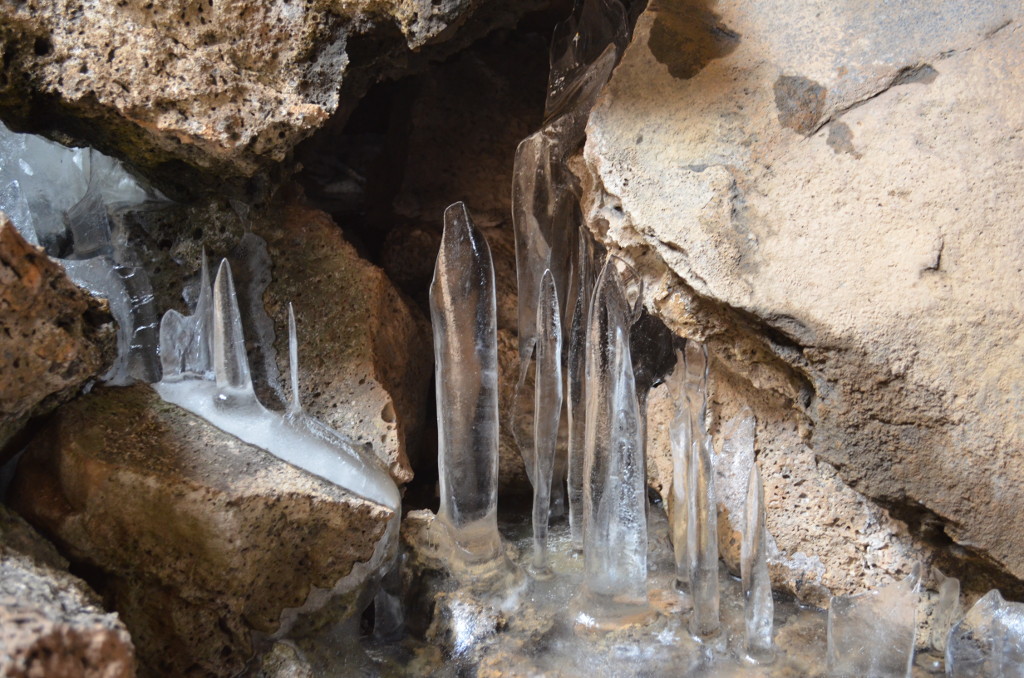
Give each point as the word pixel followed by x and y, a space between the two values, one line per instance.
pixel 462 311
pixel 759 608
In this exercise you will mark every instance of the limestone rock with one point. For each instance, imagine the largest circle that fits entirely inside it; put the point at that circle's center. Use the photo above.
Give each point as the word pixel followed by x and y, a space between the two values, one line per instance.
pixel 830 198
pixel 203 542
pixel 53 335
pixel 224 88
pixel 51 623
pixel 365 356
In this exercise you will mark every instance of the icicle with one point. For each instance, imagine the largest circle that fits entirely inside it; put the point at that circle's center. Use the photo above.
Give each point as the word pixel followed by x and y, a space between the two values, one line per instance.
pixel 702 539
pixel 576 381
pixel 759 608
pixel 462 310
pixel 614 588
pixel 293 362
pixel 871 635
pixel 547 411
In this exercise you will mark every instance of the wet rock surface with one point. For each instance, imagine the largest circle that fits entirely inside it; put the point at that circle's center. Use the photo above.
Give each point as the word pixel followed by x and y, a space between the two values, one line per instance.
pixel 222 89
pixel 809 203
pixel 51 623
pixel 202 543
pixel 53 335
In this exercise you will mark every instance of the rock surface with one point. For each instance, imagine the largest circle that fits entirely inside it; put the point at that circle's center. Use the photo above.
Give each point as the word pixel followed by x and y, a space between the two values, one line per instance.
pixel 203 543
pixel 53 335
pixel 830 197
pixel 51 623
pixel 225 88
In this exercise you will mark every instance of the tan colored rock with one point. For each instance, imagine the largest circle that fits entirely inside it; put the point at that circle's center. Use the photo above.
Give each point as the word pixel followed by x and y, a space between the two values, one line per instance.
pixel 203 540
pixel 53 335
pixel 225 88
pixel 365 354
pixel 830 198
pixel 51 623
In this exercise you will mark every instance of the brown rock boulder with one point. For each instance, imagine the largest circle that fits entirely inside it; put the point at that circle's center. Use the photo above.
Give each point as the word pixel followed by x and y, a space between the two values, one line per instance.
pixel 830 199
pixel 53 335
pixel 203 542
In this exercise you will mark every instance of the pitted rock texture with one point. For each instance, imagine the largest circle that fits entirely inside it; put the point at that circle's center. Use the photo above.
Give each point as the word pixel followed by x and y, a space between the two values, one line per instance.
pixel 54 336
pixel 830 197
pixel 51 623
pixel 222 87
pixel 200 540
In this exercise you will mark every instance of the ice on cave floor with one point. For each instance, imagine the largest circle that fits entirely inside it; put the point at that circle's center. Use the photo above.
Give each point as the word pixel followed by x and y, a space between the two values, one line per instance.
pixel 988 641
pixel 61 199
pixel 221 392
pixel 614 588
pixel 547 410
pixel 463 315
pixel 871 634
pixel 759 608
pixel 946 611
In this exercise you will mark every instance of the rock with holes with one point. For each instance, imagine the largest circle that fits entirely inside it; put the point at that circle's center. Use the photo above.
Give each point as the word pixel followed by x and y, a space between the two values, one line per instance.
pixel 832 198
pixel 202 543
pixel 51 623
pixel 222 88
pixel 53 335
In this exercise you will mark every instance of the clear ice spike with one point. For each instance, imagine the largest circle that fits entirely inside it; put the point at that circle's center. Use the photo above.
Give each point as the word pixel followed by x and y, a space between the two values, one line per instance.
pixel 759 608
pixel 702 539
pixel 547 410
pixel 463 315
pixel 946 611
pixel 293 361
pixel 871 635
pixel 230 363
pixel 988 641
pixel 614 590
pixel 576 386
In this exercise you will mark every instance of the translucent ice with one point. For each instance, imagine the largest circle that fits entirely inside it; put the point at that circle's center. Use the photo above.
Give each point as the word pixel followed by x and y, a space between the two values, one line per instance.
pixel 759 609
pixel 946 611
pixel 988 641
pixel 702 539
pixel 614 589
pixel 871 635
pixel 547 408
pixel 462 311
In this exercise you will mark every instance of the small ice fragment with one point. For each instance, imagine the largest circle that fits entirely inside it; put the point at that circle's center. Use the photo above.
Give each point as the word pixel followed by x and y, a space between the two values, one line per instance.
pixel 547 411
pixel 463 315
pixel 871 634
pixel 989 641
pixel 759 608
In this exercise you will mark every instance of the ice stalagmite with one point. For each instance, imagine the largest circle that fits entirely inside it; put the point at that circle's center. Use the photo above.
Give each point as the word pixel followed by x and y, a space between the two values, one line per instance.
pixel 988 641
pixel 759 609
pixel 947 609
pixel 462 311
pixel 547 408
pixel 576 384
pixel 614 590
pixel 871 635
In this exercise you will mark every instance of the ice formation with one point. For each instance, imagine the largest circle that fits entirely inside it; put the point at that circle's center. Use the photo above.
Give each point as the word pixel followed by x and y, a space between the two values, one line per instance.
pixel 61 199
pixel 463 315
pixel 988 641
pixel 547 408
pixel 614 587
pixel 759 608
pixel 946 611
pixel 871 635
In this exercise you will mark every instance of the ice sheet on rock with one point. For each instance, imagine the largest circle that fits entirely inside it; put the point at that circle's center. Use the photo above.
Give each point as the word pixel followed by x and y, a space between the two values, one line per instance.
pixel 759 608
pixel 871 635
pixel 988 641
pixel 60 198
pixel 614 490
pixel 463 315
pixel 547 411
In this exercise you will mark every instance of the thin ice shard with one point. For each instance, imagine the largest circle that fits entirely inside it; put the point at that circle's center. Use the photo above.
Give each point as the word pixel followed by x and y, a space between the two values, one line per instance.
pixel 988 641
pixel 614 498
pixel 702 539
pixel 871 635
pixel 293 362
pixel 759 609
pixel 462 311
pixel 547 410
pixel 230 363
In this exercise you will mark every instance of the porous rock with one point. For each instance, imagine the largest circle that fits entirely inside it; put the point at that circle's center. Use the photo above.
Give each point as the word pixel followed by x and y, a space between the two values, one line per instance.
pixel 201 542
pixel 196 87
pixel 830 198
pixel 51 623
pixel 54 336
